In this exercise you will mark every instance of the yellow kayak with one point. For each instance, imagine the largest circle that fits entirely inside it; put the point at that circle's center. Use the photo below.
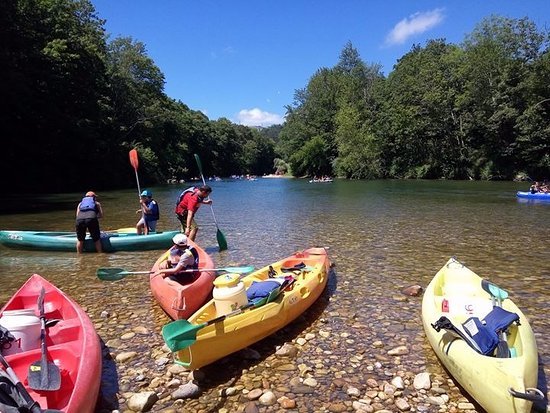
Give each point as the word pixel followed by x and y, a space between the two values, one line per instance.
pixel 505 379
pixel 241 314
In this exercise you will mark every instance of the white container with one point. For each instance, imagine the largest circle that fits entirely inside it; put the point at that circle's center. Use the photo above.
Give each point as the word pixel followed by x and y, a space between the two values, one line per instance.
pixel 229 294
pixel 25 326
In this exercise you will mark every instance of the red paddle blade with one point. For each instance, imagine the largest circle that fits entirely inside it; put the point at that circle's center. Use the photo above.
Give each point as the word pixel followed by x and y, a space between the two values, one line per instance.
pixel 134 159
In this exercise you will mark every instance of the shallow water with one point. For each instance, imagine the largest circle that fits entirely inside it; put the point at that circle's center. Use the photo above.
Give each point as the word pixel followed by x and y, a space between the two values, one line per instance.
pixel 381 235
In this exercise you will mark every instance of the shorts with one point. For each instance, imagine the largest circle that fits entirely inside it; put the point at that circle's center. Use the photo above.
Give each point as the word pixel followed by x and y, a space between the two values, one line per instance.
pixel 183 220
pixel 90 224
pixel 152 225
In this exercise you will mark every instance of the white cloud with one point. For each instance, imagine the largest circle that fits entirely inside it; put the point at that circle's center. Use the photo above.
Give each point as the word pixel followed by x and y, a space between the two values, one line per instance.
pixel 257 117
pixel 414 24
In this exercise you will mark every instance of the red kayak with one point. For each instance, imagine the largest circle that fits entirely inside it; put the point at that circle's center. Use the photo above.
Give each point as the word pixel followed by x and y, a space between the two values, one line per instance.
pixel 72 346
pixel 181 299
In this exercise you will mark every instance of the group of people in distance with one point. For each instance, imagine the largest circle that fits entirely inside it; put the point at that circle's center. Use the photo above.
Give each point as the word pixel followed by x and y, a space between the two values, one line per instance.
pixel 89 211
pixel 538 187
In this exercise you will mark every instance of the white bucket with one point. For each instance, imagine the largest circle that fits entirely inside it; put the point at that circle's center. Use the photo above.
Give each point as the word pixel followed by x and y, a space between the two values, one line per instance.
pixel 229 294
pixel 25 327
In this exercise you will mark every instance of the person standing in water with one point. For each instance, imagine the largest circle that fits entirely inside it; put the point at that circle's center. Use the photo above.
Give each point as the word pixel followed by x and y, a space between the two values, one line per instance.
pixel 88 212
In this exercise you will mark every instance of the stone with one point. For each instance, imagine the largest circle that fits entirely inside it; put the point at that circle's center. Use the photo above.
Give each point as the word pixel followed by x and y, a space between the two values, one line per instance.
pixel 142 402
pixel 412 290
pixel 268 398
pixel 187 391
pixel 126 356
pixel 254 394
pixel 422 381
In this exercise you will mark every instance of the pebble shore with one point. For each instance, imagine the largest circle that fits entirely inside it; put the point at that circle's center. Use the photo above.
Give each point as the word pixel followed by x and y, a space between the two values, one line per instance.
pixel 331 359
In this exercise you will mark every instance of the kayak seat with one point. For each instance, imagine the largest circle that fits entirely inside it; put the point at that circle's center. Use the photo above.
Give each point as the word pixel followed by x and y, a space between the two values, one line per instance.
pixel 485 333
pixel 481 335
pixel 65 331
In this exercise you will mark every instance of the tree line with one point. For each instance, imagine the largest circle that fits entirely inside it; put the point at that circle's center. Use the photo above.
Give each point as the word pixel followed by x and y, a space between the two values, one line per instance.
pixel 74 103
pixel 478 110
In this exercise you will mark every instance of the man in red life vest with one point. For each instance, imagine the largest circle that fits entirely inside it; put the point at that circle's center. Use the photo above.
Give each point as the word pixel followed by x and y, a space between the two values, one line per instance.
pixel 189 203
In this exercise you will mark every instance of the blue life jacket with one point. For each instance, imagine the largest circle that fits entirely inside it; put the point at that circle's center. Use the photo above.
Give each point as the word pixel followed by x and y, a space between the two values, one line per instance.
pixel 154 215
pixel 88 204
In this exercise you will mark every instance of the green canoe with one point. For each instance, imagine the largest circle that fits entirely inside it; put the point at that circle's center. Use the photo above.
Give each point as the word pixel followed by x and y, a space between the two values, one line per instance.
pixel 124 239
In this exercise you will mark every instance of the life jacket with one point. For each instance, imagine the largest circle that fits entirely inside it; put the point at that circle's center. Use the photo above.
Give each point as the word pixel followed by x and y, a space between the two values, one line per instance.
pixel 155 211
pixel 87 204
pixel 191 189
pixel 193 251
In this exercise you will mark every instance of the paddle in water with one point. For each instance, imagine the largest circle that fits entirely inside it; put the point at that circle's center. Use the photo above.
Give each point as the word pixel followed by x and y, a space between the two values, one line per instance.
pixel 503 350
pixel 115 274
pixel 222 242
pixel 43 375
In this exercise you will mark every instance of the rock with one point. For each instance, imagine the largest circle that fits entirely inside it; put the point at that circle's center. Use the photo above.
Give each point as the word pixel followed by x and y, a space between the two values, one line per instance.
pixel 187 391
pixel 402 405
pixel 311 382
pixel 353 391
pixel 254 394
pixel 126 356
pixel 412 290
pixel 268 398
pixel 286 403
pixel 142 402
pixel 422 381
pixel 398 383
pixel 128 336
pixel 287 350
pixel 398 351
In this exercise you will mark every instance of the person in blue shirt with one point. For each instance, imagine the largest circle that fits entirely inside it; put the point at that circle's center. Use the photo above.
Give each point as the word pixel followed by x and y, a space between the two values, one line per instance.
pixel 149 213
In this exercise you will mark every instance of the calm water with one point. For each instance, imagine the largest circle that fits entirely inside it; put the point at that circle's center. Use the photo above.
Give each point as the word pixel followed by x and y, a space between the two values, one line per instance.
pixel 381 235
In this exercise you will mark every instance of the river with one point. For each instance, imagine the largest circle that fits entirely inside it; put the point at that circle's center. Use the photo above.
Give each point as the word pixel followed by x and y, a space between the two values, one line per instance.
pixel 381 236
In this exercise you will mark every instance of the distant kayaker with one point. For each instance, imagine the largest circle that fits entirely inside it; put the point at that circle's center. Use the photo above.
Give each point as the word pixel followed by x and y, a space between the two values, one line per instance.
pixel 181 257
pixel 188 204
pixel 88 212
pixel 149 213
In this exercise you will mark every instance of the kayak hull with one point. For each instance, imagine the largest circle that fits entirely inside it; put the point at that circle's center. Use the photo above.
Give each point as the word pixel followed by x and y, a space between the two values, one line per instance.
pixel 536 195
pixel 456 292
pixel 72 344
pixel 125 239
pixel 180 300
pixel 239 331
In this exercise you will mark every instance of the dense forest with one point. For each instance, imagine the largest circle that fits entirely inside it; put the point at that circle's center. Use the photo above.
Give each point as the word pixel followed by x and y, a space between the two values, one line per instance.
pixel 75 102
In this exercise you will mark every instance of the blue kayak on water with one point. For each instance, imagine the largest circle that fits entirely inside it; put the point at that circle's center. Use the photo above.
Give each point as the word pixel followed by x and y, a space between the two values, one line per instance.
pixel 536 195
pixel 124 239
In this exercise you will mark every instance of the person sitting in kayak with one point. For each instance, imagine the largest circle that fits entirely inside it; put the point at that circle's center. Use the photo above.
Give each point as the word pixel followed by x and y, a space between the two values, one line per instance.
pixel 181 257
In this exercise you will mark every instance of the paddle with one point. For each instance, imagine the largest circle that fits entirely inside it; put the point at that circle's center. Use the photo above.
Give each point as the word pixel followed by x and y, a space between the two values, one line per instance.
pixel 32 405
pixel 43 375
pixel 222 242
pixel 115 274
pixel 503 351
pixel 135 163
pixel 181 334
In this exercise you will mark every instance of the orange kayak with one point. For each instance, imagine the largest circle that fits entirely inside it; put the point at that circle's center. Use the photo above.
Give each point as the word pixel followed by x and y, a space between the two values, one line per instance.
pixel 72 346
pixel 178 299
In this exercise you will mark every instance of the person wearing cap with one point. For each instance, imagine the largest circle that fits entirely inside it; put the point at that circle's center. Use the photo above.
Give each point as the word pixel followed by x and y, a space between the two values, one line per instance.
pixel 149 213
pixel 181 257
pixel 189 202
pixel 88 212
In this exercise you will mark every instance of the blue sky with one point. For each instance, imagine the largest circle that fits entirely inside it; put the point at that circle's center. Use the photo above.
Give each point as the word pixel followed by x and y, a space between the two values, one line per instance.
pixel 243 60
